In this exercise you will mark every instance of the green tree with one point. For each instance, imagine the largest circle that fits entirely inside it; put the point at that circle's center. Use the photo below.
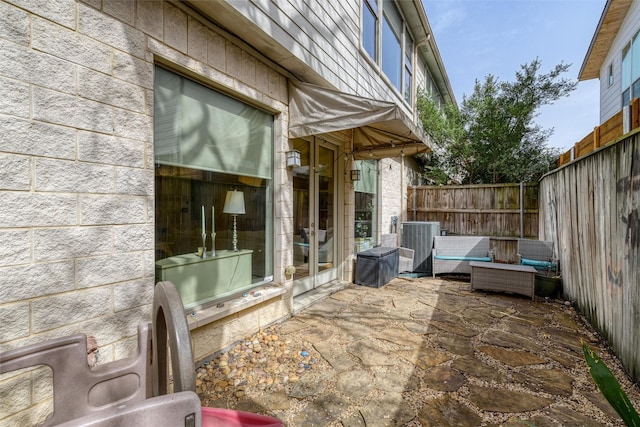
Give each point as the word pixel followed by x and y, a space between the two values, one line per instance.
pixel 493 138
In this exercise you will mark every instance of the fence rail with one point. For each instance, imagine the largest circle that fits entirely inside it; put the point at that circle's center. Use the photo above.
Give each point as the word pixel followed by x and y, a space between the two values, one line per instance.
pixel 604 134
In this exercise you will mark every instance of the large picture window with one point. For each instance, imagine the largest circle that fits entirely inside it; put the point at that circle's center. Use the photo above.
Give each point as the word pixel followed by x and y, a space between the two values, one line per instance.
pixel 207 145
pixel 630 79
pixel 391 33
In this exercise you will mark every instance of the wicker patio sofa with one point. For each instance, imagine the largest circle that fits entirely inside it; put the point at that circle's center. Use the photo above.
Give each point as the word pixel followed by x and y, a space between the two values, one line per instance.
pixel 452 254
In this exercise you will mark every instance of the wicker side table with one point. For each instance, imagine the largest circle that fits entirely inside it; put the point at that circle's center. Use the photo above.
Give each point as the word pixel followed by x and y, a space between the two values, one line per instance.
pixel 491 276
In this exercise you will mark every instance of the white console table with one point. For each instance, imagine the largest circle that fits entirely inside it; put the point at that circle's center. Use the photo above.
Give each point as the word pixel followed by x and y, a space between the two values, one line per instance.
pixel 199 280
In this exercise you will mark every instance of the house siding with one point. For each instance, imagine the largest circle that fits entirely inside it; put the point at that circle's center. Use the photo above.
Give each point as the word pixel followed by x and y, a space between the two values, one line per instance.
pixel 325 36
pixel 611 96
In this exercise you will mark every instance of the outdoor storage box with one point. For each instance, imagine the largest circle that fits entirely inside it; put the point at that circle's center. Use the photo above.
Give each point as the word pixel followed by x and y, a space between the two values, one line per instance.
pixel 377 266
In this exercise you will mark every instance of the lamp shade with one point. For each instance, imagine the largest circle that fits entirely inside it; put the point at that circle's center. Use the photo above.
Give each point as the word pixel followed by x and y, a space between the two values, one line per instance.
pixel 234 203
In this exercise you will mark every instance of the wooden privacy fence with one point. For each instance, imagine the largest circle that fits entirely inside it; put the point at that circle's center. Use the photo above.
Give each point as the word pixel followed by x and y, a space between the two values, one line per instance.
pixel 503 212
pixel 590 209
pixel 604 134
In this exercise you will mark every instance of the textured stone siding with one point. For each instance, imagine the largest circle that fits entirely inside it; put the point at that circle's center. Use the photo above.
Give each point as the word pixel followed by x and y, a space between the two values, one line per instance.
pixel 77 171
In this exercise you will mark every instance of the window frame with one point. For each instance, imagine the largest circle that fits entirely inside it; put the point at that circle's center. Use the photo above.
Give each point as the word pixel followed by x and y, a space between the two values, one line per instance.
pixel 206 184
pixel 406 65
pixel 629 70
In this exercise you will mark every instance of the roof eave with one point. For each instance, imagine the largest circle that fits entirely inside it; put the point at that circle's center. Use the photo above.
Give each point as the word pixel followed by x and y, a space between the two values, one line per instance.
pixel 610 22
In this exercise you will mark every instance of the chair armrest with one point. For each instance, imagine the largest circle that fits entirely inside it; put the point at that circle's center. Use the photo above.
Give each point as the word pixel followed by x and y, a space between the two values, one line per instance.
pixel 406 252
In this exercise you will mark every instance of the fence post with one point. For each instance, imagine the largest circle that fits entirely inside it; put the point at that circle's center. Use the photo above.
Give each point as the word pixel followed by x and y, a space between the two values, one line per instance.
pixel 415 202
pixel 596 137
pixel 521 210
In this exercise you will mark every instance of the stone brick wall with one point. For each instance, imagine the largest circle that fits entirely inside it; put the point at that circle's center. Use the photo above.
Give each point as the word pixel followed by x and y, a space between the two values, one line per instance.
pixel 397 176
pixel 77 171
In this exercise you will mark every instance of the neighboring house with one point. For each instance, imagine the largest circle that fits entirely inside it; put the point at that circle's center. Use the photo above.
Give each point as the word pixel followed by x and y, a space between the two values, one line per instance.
pixel 128 129
pixel 614 56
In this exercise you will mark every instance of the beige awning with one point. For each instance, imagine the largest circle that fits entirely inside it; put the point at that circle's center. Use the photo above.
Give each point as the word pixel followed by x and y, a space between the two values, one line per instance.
pixel 381 129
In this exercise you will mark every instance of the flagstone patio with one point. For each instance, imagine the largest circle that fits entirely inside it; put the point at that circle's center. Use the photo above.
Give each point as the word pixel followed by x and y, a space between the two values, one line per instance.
pixel 418 352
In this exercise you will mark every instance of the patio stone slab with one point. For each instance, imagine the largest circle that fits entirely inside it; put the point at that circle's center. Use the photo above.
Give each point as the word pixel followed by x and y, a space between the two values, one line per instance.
pixel 418 327
pixel 509 340
pixel 454 329
pixel 369 353
pixel 321 411
pixel 564 417
pixel 566 320
pixel 567 339
pixel 355 384
pixel 447 412
pixel 389 410
pixel 293 326
pixel 310 384
pixel 478 369
pixel 551 381
pixel 319 335
pixel 326 308
pixel 427 358
pixel 443 378
pixel 402 380
pixel 512 357
pixel 503 400
pixel 333 353
pixel 353 420
pixel 400 336
pixel 480 317
pixel 455 344
pixel 349 331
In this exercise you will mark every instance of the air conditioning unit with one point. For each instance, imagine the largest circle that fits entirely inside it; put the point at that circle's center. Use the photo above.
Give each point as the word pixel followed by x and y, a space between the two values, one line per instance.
pixel 626 119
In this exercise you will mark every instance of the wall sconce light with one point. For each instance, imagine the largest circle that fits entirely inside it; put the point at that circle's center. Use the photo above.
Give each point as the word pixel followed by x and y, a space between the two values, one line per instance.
pixel 293 158
pixel 355 174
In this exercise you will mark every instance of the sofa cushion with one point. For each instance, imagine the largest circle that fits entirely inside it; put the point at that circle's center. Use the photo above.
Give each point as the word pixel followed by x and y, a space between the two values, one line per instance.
pixel 538 264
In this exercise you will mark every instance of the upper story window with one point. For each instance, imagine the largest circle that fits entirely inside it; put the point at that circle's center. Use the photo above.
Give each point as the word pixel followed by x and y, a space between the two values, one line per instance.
pixel 610 77
pixel 385 37
pixel 630 78
pixel 370 20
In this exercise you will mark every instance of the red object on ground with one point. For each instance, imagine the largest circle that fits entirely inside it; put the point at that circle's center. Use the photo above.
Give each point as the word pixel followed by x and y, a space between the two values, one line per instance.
pixel 216 417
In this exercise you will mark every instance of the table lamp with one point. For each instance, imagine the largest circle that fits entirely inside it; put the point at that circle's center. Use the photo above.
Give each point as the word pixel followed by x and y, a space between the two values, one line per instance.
pixel 234 205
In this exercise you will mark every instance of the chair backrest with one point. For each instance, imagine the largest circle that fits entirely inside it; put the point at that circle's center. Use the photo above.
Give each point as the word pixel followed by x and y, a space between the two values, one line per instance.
pixel 464 246
pixel 538 250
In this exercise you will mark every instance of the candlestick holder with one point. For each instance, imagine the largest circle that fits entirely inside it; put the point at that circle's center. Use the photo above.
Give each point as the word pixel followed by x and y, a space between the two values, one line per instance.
pixel 204 245
pixel 213 244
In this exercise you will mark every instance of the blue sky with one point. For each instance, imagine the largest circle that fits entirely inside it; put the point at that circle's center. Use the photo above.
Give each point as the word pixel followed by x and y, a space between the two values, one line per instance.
pixel 481 37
